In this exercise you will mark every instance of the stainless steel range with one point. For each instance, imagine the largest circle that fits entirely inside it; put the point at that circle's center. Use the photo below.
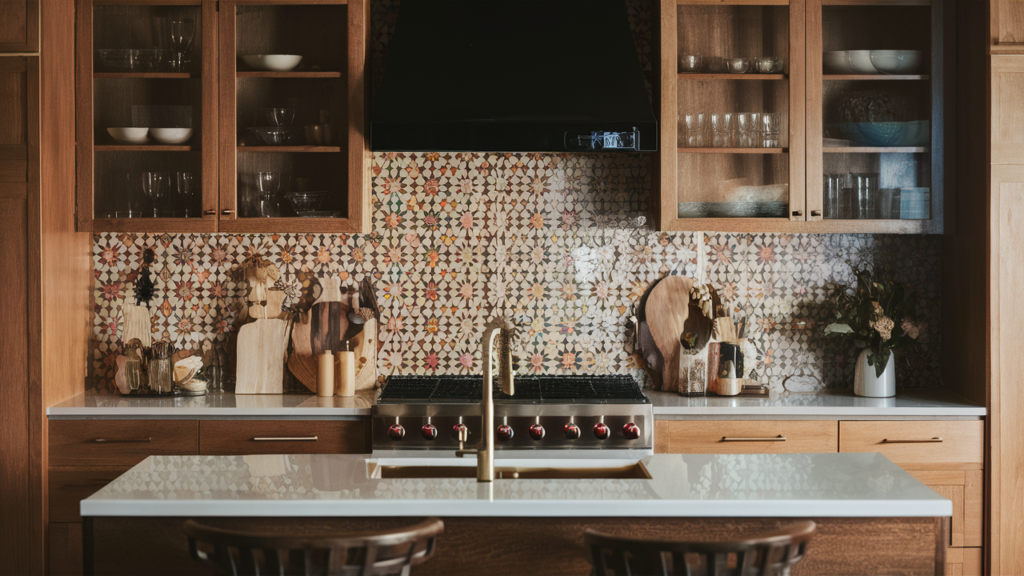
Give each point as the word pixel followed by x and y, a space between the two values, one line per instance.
pixel 556 413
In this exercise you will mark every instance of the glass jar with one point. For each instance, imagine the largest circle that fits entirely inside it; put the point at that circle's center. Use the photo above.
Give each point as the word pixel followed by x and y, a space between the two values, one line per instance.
pixel 161 369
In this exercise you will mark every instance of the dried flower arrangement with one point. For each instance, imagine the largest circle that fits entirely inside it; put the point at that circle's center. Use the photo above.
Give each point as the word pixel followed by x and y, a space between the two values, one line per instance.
pixel 876 314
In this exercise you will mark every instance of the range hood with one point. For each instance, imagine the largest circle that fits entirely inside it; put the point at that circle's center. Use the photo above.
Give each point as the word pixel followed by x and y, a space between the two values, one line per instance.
pixel 512 76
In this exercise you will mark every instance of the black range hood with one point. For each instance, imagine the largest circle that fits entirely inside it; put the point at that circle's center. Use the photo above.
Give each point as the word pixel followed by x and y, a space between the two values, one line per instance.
pixel 512 76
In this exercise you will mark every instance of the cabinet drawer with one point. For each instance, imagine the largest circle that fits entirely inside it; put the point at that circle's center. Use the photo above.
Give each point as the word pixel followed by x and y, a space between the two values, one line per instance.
pixel 69 487
pixel 745 437
pixel 956 442
pixel 119 443
pixel 239 437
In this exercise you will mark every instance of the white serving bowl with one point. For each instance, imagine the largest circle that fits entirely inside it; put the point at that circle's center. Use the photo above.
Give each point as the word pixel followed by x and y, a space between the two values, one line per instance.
pixel 170 135
pixel 910 61
pixel 129 135
pixel 274 62
pixel 837 62
pixel 860 61
pixel 886 61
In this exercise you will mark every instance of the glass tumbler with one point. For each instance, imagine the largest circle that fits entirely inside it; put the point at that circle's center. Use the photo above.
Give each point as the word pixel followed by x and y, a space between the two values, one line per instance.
pixel 695 128
pixel 721 130
pixel 867 195
pixel 832 190
pixel 771 123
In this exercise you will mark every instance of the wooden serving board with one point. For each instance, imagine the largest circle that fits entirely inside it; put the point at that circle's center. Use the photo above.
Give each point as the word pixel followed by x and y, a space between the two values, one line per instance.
pixel 262 346
pixel 365 347
pixel 666 311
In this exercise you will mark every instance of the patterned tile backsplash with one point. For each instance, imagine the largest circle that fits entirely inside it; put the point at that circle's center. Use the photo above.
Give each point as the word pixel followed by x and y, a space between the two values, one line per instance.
pixel 554 238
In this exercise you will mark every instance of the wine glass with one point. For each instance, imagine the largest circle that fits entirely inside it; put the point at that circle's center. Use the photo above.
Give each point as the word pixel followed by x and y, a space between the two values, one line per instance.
pixel 182 33
pixel 154 184
pixel 186 189
pixel 269 183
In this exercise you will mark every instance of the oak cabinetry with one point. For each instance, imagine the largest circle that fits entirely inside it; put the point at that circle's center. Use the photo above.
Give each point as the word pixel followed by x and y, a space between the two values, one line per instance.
pixel 223 437
pixel 939 444
pixel 19 26
pixel 745 436
pixel 119 443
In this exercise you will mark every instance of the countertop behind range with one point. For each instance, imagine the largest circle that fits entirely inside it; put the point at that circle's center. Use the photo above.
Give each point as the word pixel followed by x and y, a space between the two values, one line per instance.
pixel 825 405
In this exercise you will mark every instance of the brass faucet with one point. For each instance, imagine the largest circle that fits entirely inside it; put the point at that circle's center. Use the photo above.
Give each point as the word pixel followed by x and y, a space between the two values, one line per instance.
pixel 504 328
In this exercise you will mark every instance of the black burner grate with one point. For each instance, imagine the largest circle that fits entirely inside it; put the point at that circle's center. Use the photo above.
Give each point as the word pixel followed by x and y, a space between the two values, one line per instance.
pixel 528 389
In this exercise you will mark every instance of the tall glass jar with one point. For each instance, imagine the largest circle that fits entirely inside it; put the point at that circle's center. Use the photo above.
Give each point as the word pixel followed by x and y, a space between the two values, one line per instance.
pixel 161 369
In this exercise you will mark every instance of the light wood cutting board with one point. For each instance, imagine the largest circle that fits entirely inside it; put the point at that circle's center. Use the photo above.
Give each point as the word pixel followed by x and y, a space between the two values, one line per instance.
pixel 666 311
pixel 365 347
pixel 262 346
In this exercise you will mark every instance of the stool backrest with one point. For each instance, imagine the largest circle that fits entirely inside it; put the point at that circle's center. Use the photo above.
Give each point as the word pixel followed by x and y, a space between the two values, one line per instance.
pixel 769 554
pixel 382 553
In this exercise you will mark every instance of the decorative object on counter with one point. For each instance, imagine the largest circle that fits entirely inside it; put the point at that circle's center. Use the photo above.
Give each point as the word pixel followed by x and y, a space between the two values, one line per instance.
pixel 690 63
pixel 693 357
pixel 666 310
pixel 877 317
pixel 272 62
pixel 182 33
pixel 215 372
pixel 161 368
pixel 346 372
pixel 186 376
pixel 135 374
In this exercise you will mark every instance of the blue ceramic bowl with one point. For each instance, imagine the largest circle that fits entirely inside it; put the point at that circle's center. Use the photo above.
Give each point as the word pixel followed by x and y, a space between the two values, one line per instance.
pixel 916 133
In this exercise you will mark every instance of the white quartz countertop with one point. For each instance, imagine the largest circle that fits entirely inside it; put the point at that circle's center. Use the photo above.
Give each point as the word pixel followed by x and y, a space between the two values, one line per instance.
pixel 106 406
pixel 680 485
pixel 826 403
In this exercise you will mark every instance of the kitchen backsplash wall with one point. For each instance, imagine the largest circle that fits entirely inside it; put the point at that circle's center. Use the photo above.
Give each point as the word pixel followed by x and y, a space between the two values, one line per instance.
pixel 552 238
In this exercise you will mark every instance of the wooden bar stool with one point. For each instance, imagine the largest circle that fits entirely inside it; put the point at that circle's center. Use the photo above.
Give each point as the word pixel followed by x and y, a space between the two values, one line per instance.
pixel 769 554
pixel 365 554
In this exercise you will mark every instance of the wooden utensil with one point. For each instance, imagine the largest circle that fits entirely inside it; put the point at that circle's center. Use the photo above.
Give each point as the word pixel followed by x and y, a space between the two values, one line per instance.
pixel 666 311
pixel 262 346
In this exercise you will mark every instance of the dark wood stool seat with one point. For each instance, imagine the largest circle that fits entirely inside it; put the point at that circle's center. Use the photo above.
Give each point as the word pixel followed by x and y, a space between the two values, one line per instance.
pixel 364 554
pixel 768 554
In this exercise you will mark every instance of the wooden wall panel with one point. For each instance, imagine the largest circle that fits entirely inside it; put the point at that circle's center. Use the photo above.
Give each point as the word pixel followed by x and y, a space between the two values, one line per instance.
pixel 19 26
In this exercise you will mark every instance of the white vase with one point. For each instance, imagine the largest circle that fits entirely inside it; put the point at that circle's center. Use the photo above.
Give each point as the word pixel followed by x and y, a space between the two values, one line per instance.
pixel 866 382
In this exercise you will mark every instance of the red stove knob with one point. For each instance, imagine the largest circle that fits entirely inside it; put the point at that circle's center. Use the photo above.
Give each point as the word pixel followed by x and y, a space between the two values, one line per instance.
pixel 536 432
pixel 601 430
pixel 429 431
pixel 505 433
pixel 631 431
pixel 572 431
pixel 461 432
pixel 396 432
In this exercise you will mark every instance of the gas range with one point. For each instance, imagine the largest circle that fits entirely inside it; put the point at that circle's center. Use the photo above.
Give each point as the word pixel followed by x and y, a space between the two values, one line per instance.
pixel 547 413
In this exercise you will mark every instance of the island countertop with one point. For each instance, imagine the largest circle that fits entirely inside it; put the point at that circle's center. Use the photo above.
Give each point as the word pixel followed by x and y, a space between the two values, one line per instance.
pixel 687 485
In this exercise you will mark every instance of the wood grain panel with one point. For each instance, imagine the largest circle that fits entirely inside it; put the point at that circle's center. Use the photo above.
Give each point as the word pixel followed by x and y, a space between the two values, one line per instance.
pixel 1007 119
pixel 234 437
pixel 65 549
pixel 124 442
pixel 19 26
pixel 13 101
pixel 67 488
pixel 1007 23
pixel 546 546
pixel 962 443
pixel 706 436
pixel 954 494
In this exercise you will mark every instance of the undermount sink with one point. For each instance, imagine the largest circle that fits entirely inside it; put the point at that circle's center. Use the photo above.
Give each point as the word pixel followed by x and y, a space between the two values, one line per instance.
pixel 632 471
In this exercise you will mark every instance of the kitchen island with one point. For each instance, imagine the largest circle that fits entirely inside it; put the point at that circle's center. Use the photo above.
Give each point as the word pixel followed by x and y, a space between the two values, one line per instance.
pixel 873 517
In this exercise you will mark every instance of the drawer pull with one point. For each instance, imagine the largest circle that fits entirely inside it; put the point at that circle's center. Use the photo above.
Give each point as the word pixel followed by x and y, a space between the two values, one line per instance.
pixel 779 438
pixel 120 441
pixel 912 441
pixel 285 439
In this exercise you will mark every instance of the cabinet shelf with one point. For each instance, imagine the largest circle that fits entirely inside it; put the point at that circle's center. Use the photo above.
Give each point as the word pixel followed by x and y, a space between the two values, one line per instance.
pixel 268 74
pixel 144 148
pixel 876 150
pixel 151 75
pixel 873 77
pixel 289 148
pixel 733 150
pixel 689 76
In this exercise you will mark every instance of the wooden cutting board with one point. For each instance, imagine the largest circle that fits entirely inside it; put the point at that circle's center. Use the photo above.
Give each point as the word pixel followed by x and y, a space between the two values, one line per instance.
pixel 275 298
pixel 666 311
pixel 302 361
pixel 262 346
pixel 365 347
pixel 327 324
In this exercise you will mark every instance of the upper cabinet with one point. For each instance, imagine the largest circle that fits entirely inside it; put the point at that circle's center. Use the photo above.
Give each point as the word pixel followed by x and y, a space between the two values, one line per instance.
pixel 232 116
pixel 843 134
pixel 19 26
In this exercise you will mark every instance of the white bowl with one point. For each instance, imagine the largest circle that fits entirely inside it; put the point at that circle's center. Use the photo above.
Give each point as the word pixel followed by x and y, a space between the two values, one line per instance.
pixel 885 61
pixel 129 135
pixel 170 135
pixel 274 62
pixel 910 61
pixel 860 61
pixel 837 62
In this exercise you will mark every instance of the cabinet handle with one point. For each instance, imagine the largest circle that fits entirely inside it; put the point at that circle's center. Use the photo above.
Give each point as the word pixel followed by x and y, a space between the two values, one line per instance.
pixel 798 212
pixel 779 438
pixel 120 441
pixel 209 212
pixel 227 212
pixel 815 212
pixel 285 439
pixel 912 441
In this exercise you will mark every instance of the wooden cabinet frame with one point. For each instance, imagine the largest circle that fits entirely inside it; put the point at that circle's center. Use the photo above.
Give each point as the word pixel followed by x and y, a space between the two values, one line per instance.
pixel 218 77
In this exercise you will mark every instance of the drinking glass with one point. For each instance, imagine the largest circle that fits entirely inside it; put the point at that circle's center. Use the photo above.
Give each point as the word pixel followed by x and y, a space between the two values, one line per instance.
pixel 771 123
pixel 182 33
pixel 889 203
pixel 833 184
pixel 694 124
pixel 867 194
pixel 280 116
pixel 269 183
pixel 747 124
pixel 154 184
pixel 186 189
pixel 721 128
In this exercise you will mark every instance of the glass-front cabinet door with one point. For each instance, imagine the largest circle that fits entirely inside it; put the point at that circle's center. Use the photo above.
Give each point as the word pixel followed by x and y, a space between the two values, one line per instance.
pixel 732 89
pixel 876 115
pixel 287 104
pixel 146 122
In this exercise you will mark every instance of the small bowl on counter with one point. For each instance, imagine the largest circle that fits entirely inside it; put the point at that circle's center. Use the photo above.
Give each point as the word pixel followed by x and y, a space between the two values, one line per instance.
pixel 272 62
pixel 171 135
pixel 128 135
